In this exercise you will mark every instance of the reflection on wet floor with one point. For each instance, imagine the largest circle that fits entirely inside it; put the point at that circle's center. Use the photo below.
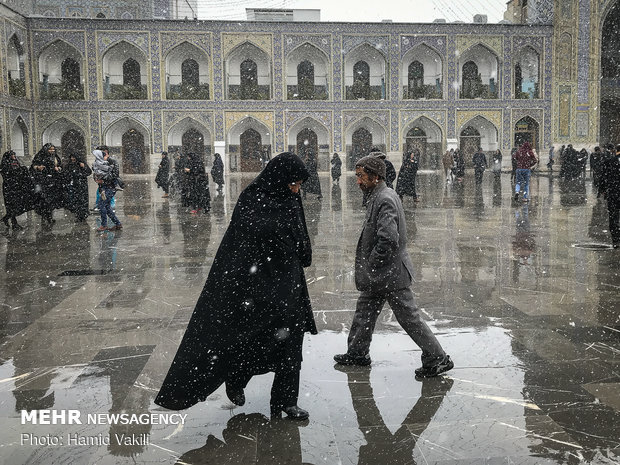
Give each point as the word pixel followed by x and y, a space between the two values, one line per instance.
pixel 523 296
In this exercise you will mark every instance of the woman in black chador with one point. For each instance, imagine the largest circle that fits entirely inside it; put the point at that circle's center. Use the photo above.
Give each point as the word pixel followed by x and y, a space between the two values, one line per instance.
pixel 163 173
pixel 336 168
pixel 217 171
pixel 46 171
pixel 405 185
pixel 313 185
pixel 197 193
pixel 254 309
pixel 16 189
pixel 77 173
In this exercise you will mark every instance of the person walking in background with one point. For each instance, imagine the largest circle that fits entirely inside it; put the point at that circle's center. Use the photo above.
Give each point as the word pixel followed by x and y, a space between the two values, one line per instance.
pixel 17 189
pixel 610 187
pixel 217 171
pixel 406 177
pixel 198 195
pixel 105 173
pixel 497 163
pixel 390 171
pixel 313 184
pixel 479 161
pixel 596 164
pixel 551 160
pixel 254 309
pixel 459 161
pixel 77 173
pixel 525 159
pixel 383 272
pixel 447 160
pixel 336 163
pixel 46 171
pixel 163 173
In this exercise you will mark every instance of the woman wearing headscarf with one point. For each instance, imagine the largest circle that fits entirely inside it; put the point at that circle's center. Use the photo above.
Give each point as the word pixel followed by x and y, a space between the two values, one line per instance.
pixel 46 171
pixel 198 196
pixel 313 185
pixel 336 163
pixel 16 189
pixel 217 171
pixel 254 309
pixel 405 185
pixel 77 173
pixel 163 173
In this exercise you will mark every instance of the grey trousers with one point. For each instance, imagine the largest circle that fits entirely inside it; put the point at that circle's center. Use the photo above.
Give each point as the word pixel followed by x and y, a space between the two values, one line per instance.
pixel 367 311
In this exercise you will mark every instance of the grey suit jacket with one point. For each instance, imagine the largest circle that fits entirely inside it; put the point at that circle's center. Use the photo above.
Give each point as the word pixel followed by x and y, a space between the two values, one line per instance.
pixel 382 263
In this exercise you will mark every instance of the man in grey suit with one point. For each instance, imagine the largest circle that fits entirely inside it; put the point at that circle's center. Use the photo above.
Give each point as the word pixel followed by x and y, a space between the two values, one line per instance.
pixel 383 272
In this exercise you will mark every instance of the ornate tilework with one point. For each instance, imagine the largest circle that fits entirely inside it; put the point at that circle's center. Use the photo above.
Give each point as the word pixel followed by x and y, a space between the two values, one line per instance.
pixel 438 117
pixel 108 118
pixel 44 119
pixel 233 117
pixel 172 117
pixel 494 116
pixel 42 38
pixel 583 55
pixel 379 42
pixel 262 41
pixel 321 41
pixel 463 43
pixel 438 43
pixel 106 39
pixel 170 40
pixel 292 117
pixel 382 117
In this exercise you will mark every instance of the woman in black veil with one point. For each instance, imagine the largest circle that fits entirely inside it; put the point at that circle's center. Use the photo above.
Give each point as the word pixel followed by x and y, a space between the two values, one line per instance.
pixel 16 189
pixel 254 309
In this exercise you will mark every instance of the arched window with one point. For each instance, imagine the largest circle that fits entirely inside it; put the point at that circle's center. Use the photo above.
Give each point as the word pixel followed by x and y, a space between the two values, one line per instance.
pixel 249 80
pixel 415 77
pixel 131 74
pixel 471 80
pixel 190 73
pixel 361 73
pixel 70 74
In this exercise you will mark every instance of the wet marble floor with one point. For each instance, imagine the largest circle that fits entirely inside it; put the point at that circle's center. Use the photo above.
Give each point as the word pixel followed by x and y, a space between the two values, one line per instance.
pixel 525 297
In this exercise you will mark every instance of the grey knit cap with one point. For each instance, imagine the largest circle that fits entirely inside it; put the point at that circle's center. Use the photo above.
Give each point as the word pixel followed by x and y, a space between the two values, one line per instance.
pixel 372 163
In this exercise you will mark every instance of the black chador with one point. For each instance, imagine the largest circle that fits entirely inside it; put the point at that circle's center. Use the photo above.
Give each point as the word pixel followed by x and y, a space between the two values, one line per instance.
pixel 77 173
pixel 46 171
pixel 17 188
pixel 406 177
pixel 254 308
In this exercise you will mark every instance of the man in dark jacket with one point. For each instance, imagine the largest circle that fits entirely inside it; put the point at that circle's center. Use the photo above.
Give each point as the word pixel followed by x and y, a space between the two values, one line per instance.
pixel 383 272
pixel 610 187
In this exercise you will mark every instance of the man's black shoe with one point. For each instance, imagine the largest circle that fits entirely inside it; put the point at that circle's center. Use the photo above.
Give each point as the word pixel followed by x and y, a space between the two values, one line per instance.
pixel 429 372
pixel 346 359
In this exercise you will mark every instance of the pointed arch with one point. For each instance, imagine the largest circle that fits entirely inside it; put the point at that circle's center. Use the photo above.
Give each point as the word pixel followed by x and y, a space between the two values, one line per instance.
pixel 258 88
pixel 485 84
pixel 178 86
pixel 54 132
pixel 430 83
pixel 60 71
pixel 174 138
pixel 321 131
pixel 20 137
pixel 527 73
pixel 116 85
pixel 16 68
pixel 487 138
pixel 425 135
pixel 375 87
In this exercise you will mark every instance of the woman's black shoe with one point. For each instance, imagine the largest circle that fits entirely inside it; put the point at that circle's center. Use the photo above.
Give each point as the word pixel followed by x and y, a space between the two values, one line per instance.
pixel 235 395
pixel 294 412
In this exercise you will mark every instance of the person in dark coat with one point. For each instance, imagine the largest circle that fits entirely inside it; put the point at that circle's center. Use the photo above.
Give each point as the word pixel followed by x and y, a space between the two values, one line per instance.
pixel 17 189
pixel 479 160
pixel 313 184
pixel 406 176
pixel 336 163
pixel 596 164
pixel 163 173
pixel 610 187
pixel 197 196
pixel 459 161
pixel 77 173
pixel 254 309
pixel 217 171
pixel 390 171
pixel 46 171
